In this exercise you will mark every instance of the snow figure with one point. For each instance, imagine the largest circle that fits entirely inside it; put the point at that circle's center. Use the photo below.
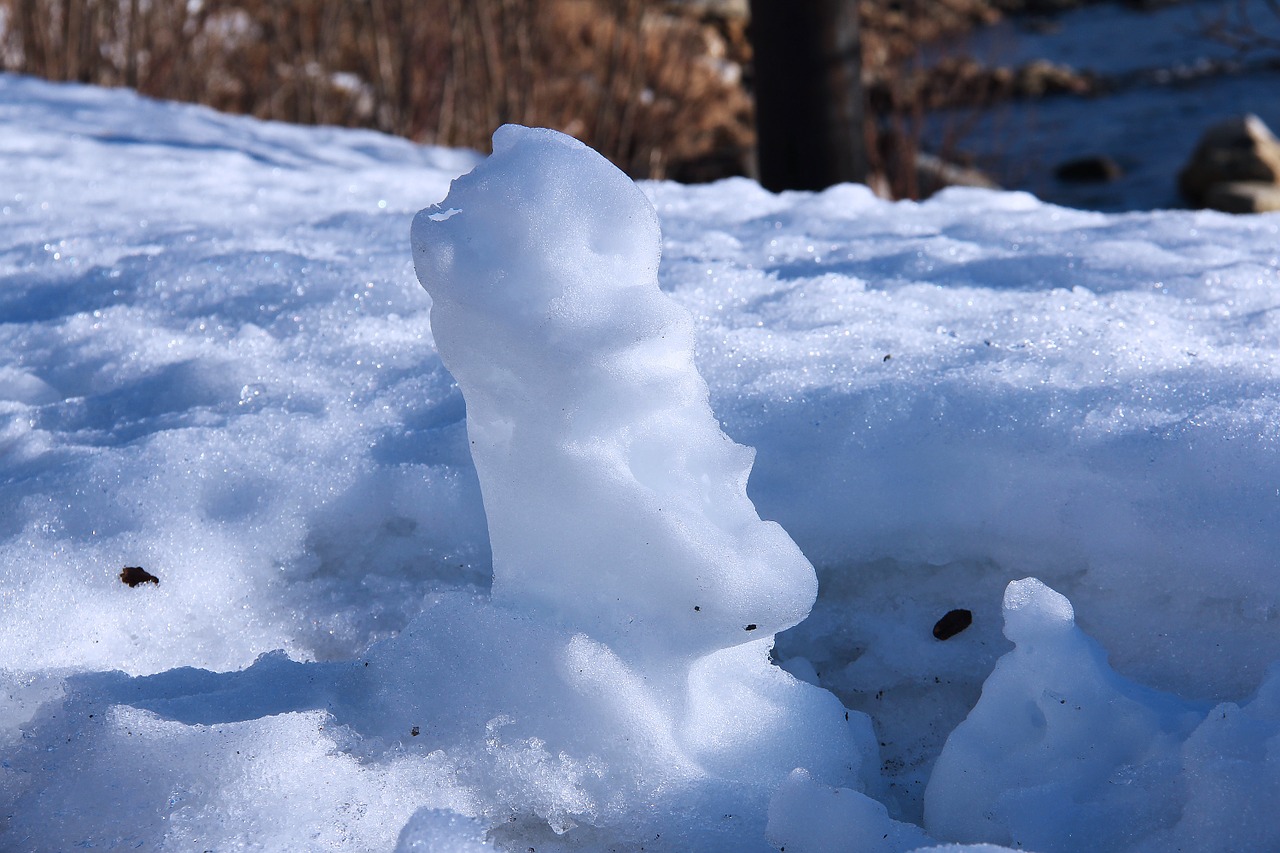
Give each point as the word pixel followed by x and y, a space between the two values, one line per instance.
pixel 616 506
pixel 1061 753
pixel 617 509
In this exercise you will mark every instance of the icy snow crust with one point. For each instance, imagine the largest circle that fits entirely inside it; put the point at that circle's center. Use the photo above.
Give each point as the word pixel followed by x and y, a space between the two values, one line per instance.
pixel 218 365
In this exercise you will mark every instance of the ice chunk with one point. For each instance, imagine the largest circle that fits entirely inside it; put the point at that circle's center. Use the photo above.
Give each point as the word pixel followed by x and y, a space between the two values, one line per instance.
pixel 1060 753
pixel 616 505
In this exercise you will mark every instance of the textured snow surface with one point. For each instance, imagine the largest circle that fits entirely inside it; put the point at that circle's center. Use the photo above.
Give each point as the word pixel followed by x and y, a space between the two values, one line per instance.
pixel 216 363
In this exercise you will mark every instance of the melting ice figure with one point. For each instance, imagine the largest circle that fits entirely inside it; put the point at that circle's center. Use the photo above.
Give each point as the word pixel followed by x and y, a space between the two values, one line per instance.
pixel 616 506
pixel 617 509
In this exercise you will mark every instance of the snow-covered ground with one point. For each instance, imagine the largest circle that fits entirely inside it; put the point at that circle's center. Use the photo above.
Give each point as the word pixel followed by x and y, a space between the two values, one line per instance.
pixel 218 365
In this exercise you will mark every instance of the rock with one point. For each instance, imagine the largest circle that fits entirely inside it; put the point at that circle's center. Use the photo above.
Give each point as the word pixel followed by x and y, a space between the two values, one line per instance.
pixel 1042 77
pixel 1244 197
pixel 1240 149
pixel 719 8
pixel 1095 168
pixel 934 174
pixel 964 81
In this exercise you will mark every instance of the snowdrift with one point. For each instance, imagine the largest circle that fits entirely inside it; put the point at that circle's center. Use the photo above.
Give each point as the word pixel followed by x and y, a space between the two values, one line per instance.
pixel 219 367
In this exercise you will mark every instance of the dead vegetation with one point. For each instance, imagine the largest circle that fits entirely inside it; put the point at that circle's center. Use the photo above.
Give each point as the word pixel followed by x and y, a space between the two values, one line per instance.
pixel 654 88
pixel 661 88
pixel 901 88
pixel 1235 26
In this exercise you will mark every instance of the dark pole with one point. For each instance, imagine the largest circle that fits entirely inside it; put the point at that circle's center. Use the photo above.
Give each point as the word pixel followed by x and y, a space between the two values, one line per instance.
pixel 808 87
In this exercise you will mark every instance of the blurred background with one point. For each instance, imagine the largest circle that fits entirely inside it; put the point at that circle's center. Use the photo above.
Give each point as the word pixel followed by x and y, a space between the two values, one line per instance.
pixel 1092 104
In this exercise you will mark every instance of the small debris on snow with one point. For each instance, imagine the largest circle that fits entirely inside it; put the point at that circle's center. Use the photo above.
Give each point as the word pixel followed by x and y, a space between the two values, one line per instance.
pixel 952 623
pixel 134 575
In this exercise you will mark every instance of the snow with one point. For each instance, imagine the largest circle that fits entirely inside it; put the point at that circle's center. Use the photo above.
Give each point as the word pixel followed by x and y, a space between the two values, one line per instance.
pixel 219 365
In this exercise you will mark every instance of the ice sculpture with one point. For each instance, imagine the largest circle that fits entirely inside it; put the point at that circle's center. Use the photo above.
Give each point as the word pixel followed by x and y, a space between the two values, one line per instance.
pixel 623 538
pixel 616 506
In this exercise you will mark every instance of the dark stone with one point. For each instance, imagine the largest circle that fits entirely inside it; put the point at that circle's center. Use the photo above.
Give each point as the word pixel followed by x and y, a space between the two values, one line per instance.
pixel 1095 169
pixel 1239 150
pixel 953 623
pixel 1243 197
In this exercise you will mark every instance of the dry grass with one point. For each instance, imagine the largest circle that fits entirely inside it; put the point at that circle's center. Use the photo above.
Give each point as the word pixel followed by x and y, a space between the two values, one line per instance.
pixel 900 91
pixel 662 91
pixel 651 88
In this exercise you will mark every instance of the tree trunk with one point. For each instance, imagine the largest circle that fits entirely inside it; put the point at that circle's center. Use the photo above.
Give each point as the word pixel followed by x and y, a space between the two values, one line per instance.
pixel 808 88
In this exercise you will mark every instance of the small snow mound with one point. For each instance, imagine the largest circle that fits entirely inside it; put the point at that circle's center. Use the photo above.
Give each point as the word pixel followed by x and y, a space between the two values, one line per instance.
pixel 1062 753
pixel 808 817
